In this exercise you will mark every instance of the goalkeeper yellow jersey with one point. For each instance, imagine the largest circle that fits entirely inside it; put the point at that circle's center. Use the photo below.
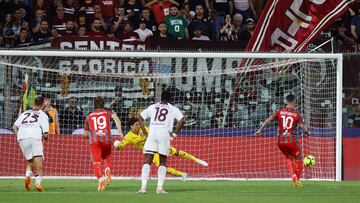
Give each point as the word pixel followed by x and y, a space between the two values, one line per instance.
pixel 136 140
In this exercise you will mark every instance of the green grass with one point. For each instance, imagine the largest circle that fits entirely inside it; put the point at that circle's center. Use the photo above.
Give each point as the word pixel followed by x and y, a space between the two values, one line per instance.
pixel 120 191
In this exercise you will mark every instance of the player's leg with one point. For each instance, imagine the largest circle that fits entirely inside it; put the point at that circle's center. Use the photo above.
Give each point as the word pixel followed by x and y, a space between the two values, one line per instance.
pixel 150 148
pixel 161 174
pixel 145 171
pixel 25 147
pixel 106 156
pixel 187 156
pixel 163 150
pixel 37 151
pixel 284 148
pixel 96 155
pixel 172 171
pixel 38 165
pixel 298 162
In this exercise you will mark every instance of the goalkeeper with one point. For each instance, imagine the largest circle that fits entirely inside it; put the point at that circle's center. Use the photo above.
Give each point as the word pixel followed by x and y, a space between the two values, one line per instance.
pixel 136 138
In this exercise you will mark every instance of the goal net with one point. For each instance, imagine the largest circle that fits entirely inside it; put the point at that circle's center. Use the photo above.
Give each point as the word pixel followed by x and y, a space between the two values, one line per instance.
pixel 225 102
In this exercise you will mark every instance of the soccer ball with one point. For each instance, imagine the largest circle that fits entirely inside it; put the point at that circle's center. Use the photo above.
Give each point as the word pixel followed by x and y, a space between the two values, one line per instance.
pixel 309 160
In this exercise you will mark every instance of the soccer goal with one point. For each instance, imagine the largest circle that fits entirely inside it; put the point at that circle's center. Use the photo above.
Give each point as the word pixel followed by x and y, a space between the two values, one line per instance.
pixel 224 95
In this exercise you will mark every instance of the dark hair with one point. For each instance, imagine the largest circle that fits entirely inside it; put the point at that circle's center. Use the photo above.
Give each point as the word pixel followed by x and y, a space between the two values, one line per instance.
pixel 174 5
pixel 166 95
pixel 22 29
pixel 99 103
pixel 39 101
pixel 132 121
pixel 290 98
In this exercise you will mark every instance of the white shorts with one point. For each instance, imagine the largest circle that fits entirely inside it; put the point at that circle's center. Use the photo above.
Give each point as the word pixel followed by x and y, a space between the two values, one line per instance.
pixel 157 141
pixel 31 147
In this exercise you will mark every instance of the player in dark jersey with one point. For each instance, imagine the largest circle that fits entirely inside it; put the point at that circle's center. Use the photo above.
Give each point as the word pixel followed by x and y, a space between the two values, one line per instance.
pixel 97 129
pixel 288 117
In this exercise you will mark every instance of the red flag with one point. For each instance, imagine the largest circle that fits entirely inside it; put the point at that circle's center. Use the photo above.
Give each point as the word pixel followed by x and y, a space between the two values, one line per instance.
pixel 290 25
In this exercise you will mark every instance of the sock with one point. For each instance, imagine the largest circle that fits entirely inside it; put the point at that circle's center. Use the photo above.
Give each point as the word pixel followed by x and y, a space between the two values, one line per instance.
pixel 108 162
pixel 161 176
pixel 291 166
pixel 298 168
pixel 145 171
pixel 186 155
pixel 174 172
pixel 38 180
pixel 28 174
pixel 97 170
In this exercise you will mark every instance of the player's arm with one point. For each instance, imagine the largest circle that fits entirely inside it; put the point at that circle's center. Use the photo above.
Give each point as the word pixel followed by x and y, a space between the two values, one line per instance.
pixel 86 131
pixel 304 128
pixel 16 130
pixel 117 121
pixel 121 144
pixel 142 126
pixel 179 126
pixel 264 124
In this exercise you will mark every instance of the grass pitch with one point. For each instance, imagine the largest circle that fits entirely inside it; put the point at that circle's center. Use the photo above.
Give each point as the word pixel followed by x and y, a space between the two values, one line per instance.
pixel 121 191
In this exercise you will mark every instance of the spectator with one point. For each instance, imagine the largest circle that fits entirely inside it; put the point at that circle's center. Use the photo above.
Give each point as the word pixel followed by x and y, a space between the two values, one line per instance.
pixel 177 25
pixel 55 33
pixel 162 31
pixel 7 26
pixel 83 22
pixel 107 9
pixel 355 27
pixel 238 25
pixel 70 29
pixel 88 7
pixel 245 8
pixel 143 32
pixel 54 126
pixel 227 32
pixel 250 27
pixel 23 38
pixel 26 10
pixel 149 19
pixel 185 11
pixel 129 35
pixel 221 8
pixel 201 21
pixel 160 8
pixel 2 41
pixel 199 36
pixel 354 120
pixel 59 21
pixel 71 117
pixel 97 29
pixel 7 7
pixel 117 104
pixel 70 8
pixel 82 32
pixel 43 33
pixel 98 14
pixel 193 3
pixel 39 4
pixel 19 22
pixel 132 11
pixel 117 23
pixel 36 22
pixel 342 34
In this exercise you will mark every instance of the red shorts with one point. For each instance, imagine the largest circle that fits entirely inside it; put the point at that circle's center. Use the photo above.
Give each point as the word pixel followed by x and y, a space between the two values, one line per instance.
pixel 289 149
pixel 100 151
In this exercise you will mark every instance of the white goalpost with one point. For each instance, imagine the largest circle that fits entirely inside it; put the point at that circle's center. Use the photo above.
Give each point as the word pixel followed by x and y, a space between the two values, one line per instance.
pixel 225 101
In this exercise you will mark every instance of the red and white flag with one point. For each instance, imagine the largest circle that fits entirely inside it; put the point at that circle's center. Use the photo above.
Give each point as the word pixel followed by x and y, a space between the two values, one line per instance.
pixel 290 25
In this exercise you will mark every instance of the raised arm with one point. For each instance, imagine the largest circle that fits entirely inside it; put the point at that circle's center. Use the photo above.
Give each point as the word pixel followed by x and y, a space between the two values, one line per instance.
pixel 263 125
pixel 117 121
pixel 142 126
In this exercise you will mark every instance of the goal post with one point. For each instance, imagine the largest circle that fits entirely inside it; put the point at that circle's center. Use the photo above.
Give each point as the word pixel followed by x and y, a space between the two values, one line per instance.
pixel 225 101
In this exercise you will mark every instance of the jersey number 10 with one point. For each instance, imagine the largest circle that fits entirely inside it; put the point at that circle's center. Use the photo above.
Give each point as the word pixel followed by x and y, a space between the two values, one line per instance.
pixel 287 122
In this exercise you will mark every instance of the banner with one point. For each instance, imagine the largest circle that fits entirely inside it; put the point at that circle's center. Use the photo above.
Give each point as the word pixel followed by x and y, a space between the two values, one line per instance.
pixel 290 25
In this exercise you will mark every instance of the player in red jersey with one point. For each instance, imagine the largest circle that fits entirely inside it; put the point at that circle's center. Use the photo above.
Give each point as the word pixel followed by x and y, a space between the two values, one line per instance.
pixel 288 117
pixel 98 130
